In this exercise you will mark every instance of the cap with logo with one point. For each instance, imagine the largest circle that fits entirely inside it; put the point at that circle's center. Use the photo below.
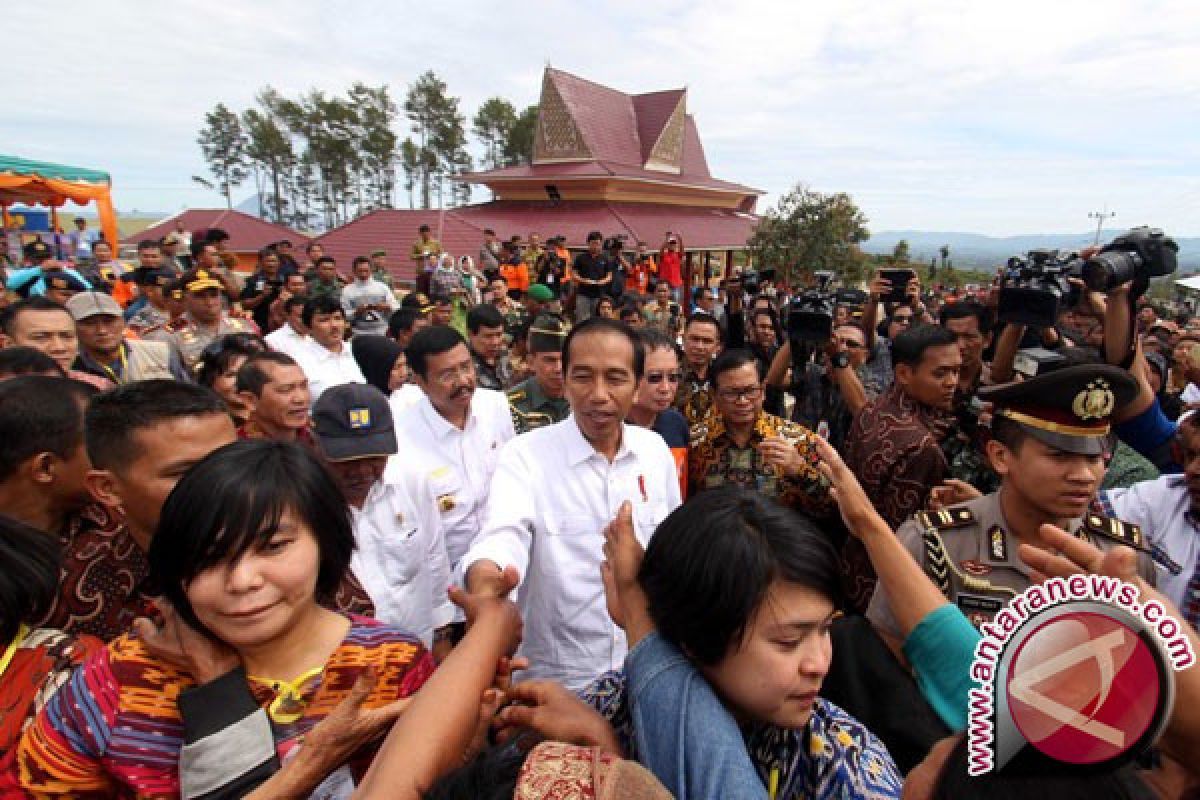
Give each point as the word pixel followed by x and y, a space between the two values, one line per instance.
pixel 199 280
pixel 1069 409
pixel 65 281
pixel 93 304
pixel 547 334
pixel 354 421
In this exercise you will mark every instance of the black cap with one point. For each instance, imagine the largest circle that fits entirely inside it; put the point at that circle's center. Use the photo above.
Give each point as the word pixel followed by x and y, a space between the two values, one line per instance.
pixel 37 250
pixel 1069 409
pixel 153 277
pixel 547 334
pixel 354 421
pixel 64 280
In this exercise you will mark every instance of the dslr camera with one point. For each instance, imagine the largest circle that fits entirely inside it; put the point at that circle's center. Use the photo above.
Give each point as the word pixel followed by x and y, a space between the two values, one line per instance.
pixel 810 315
pixel 615 243
pixel 1035 287
pixel 1140 254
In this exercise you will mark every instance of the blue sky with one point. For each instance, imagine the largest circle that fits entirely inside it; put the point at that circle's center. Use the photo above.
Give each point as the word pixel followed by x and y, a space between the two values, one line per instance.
pixel 997 118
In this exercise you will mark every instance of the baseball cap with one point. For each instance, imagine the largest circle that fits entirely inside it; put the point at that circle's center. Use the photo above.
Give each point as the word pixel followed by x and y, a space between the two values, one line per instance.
pixel 354 421
pixel 153 277
pixel 65 280
pixel 540 292
pixel 92 304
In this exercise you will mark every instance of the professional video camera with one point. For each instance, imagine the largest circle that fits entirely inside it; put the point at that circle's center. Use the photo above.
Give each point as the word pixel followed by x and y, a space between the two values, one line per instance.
pixel 810 315
pixel 1036 287
pixel 615 243
pixel 1140 254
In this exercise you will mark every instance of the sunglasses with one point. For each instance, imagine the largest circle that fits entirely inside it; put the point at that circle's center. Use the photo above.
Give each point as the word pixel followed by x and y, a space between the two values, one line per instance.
pixel 655 378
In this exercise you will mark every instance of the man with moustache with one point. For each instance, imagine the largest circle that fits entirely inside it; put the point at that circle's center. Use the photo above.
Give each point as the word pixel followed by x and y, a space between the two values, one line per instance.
pixel 275 391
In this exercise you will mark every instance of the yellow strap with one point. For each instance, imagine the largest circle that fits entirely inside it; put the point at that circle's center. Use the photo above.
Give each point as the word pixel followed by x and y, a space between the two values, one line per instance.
pixel 1053 427
pixel 773 785
pixel 11 650
pixel 287 707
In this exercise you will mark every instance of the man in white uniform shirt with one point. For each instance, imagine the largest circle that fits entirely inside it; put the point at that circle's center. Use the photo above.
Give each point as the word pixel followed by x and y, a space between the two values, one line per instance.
pixel 368 302
pixel 399 556
pixel 451 437
pixel 327 361
pixel 290 337
pixel 555 489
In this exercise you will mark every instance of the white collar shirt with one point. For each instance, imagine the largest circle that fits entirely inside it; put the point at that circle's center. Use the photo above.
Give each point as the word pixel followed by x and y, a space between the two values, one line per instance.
pixel 326 368
pixel 456 465
pixel 1163 509
pixel 287 340
pixel 550 499
pixel 400 558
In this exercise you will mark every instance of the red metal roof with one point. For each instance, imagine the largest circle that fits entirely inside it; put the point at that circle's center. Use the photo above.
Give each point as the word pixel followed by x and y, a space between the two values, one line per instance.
pixel 247 234
pixel 460 230
pixel 653 110
pixel 605 169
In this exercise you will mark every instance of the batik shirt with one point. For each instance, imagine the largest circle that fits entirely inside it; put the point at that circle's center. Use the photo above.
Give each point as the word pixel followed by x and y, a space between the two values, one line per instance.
pixel 834 756
pixel 715 460
pixel 114 729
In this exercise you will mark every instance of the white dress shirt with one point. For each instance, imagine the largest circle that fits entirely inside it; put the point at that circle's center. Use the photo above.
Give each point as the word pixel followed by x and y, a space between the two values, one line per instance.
pixel 456 465
pixel 551 497
pixel 1163 509
pixel 400 558
pixel 326 368
pixel 404 398
pixel 287 340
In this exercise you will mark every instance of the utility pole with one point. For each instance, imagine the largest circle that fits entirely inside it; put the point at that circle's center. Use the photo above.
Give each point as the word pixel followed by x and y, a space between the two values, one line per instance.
pixel 1100 216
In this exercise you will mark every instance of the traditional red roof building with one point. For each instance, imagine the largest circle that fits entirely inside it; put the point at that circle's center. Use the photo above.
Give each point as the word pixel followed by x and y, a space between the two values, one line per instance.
pixel 602 160
pixel 247 234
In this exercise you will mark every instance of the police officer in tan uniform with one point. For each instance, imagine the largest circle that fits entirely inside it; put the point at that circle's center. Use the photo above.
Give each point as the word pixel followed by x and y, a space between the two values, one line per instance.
pixel 1048 445
pixel 538 400
pixel 204 319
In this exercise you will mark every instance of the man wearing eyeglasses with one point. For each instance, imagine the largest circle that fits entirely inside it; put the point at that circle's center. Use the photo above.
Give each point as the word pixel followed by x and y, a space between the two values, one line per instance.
pixel 739 444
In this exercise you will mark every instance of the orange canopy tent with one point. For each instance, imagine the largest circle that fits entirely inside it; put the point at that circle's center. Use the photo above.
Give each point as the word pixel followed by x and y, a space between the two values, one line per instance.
pixel 42 183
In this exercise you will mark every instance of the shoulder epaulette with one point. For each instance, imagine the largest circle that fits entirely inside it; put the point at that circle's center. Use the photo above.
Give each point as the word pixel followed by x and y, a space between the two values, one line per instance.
pixel 936 563
pixel 1125 533
pixel 945 519
pixel 516 395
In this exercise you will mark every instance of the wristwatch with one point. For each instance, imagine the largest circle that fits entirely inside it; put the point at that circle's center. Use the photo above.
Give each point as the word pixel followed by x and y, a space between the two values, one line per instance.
pixel 840 360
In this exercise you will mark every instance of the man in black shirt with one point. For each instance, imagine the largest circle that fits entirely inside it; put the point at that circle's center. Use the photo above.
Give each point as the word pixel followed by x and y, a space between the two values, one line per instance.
pixel 592 275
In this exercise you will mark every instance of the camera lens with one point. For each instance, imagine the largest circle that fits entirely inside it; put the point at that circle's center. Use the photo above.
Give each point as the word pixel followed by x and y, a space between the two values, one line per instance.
pixel 1107 270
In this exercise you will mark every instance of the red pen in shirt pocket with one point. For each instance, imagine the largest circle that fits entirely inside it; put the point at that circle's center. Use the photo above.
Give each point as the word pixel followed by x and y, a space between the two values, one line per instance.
pixel 642 488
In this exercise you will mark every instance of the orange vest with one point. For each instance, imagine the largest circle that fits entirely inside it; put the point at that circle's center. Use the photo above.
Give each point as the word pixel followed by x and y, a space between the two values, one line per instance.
pixel 516 276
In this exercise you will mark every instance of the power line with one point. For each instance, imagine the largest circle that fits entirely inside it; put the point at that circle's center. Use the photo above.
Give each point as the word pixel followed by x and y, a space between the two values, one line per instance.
pixel 1100 216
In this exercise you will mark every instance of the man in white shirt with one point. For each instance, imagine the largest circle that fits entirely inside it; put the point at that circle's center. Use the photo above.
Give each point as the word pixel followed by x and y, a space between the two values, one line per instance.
pixel 555 489
pixel 327 361
pixel 451 437
pixel 1167 509
pixel 399 558
pixel 368 302
pixel 290 337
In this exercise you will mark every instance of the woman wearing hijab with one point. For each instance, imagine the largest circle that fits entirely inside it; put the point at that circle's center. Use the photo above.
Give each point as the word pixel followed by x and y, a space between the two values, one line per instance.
pixel 382 362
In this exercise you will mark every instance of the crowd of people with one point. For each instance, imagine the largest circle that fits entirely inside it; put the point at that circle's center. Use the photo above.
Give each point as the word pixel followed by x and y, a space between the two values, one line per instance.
pixel 555 524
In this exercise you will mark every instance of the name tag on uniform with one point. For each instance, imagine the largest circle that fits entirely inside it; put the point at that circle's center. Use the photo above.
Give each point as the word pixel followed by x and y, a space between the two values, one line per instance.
pixel 974 604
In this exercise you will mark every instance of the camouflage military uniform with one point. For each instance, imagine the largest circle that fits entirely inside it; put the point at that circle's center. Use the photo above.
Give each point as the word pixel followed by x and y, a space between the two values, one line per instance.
pixel 531 408
pixel 969 552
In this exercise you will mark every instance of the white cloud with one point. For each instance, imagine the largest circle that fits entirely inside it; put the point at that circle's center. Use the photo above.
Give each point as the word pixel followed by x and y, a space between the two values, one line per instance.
pixel 999 118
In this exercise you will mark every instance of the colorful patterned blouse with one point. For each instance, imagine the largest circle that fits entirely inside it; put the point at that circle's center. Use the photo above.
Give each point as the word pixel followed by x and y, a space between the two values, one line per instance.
pixel 834 756
pixel 715 461
pixel 40 664
pixel 114 729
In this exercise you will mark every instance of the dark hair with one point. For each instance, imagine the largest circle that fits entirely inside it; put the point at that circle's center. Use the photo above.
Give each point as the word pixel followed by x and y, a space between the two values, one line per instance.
pixel 595 236
pixel 964 309
pixel 711 562
pixel 733 359
pixel 628 310
pixel 704 318
pixel 233 500
pixel 266 252
pixel 294 301
pixel 1008 432
pixel 149 244
pixel 376 356
pixel 489 230
pixel 402 320
pixel 224 350
pixel 214 235
pixel 198 244
pixel 422 228
pixel 593 326
pixel 910 346
pixel 17 361
pixel 360 260
pixel 251 377
pixel 484 316
pixel 321 304
pixel 308 248
pixel 1031 774
pixel 114 417
pixel 441 299
pixel 39 414
pixel 8 317
pixel 326 260
pixel 29 565
pixel 431 341
pixel 654 339
pixel 492 775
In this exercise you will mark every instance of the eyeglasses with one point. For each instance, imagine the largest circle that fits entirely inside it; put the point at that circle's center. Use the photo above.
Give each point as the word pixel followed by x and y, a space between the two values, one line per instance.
pixel 655 378
pixel 744 393
pixel 850 344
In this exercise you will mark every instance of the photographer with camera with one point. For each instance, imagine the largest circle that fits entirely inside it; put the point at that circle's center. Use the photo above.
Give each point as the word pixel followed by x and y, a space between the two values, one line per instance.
pixel 900 293
pixel 592 274
pixel 614 247
pixel 263 288
pixel 637 278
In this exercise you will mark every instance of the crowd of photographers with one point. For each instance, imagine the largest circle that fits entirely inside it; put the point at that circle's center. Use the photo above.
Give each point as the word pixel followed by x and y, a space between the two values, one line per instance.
pixel 709 536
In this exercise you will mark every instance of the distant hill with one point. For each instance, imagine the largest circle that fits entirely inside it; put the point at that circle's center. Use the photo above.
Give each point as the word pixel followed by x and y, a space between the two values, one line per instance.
pixel 976 250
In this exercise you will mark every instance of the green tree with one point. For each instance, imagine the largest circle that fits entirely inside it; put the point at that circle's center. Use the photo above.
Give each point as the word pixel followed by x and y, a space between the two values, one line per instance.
pixel 223 143
pixel 519 147
pixel 375 112
pixel 440 137
pixel 269 150
pixel 492 126
pixel 900 253
pixel 808 231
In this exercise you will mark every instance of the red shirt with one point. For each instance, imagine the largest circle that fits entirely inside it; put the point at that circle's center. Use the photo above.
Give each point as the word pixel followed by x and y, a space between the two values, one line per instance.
pixel 670 268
